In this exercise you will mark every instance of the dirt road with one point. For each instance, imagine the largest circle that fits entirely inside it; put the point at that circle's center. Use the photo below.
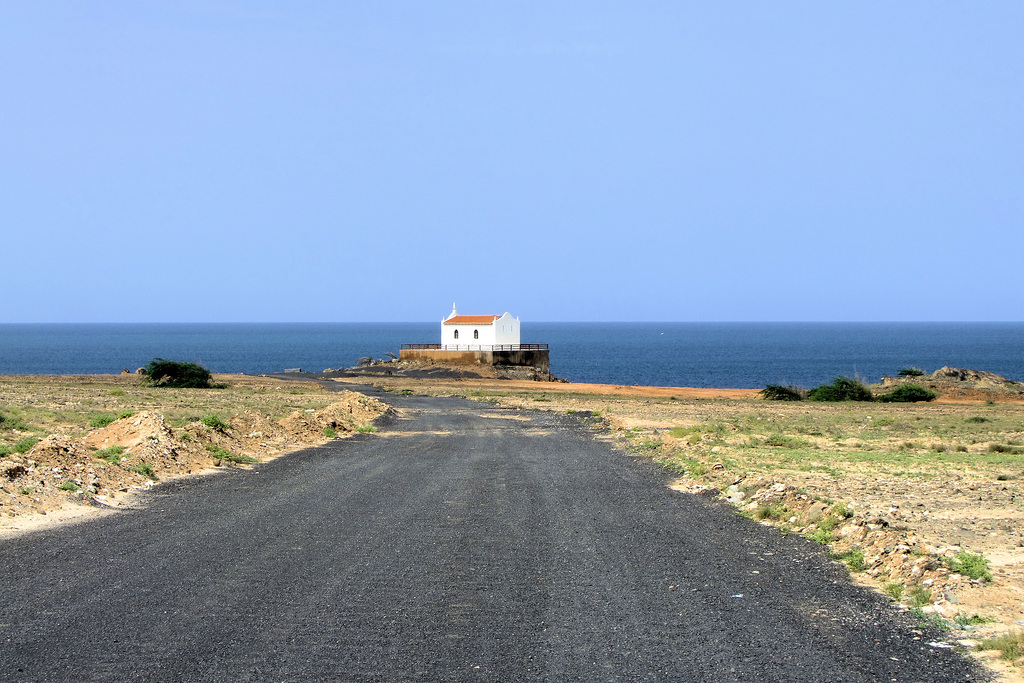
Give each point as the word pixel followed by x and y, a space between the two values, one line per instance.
pixel 462 542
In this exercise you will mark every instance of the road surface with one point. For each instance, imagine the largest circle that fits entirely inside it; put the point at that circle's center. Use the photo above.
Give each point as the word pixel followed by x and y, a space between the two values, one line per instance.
pixel 461 543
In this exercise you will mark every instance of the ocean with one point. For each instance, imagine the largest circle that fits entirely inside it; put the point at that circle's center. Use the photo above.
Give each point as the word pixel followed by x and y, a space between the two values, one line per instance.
pixel 727 355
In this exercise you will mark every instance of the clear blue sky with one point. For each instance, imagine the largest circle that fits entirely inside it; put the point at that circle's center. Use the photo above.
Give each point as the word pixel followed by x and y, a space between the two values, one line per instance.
pixel 230 160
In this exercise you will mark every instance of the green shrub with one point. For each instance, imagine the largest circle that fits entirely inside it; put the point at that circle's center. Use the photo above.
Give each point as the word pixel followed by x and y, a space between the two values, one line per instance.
pixel 973 565
pixel 101 421
pixel 822 536
pixel 112 454
pixel 841 389
pixel 176 374
pixel 910 372
pixel 26 490
pixel 330 433
pixel 842 510
pixel 366 429
pixel 853 558
pixel 221 453
pixel 977 419
pixel 145 469
pixel 68 485
pixel 765 511
pixel 25 445
pixel 909 393
pixel 5 450
pixel 894 589
pixel 781 392
pixel 214 422
pixel 12 422
pixel 919 596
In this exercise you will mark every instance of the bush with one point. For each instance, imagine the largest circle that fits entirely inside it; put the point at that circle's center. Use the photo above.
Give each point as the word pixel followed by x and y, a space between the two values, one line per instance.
pixel 145 469
pixel 178 375
pixel 781 392
pixel 112 454
pixel 841 389
pixel 11 422
pixel 221 453
pixel 910 372
pixel 909 393
pixel 972 565
pixel 25 445
pixel 68 485
pixel 214 422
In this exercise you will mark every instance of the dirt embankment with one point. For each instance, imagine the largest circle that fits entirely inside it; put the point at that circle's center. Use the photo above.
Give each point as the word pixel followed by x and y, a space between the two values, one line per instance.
pixel 60 474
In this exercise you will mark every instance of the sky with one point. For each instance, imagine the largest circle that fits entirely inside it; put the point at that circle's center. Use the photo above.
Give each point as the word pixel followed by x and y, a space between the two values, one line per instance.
pixel 342 161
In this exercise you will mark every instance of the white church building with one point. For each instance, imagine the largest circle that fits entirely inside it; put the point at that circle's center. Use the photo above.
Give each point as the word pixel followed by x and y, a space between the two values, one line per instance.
pixel 479 330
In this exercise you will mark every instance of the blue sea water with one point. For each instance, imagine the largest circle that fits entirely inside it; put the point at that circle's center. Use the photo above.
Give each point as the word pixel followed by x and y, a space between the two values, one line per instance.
pixel 728 355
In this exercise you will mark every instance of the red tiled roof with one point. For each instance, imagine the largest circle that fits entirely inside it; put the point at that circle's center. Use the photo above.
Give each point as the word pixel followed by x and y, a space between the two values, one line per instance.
pixel 471 320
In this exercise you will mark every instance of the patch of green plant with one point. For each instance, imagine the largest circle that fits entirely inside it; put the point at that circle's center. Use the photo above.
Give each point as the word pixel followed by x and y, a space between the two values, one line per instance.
pixel 106 419
pixel 853 558
pixel 910 372
pixel 929 619
pixel 894 589
pixel 405 392
pixel 977 419
pixel 842 510
pixel 117 392
pixel 781 392
pixel 25 445
pixel 909 393
pixel 366 429
pixel 5 450
pixel 176 374
pixel 214 422
pixel 330 433
pixel 542 399
pixel 13 422
pixel 919 596
pixel 1010 645
pixel 112 454
pixel 973 565
pixel 145 469
pixel 68 485
pixel 841 389
pixel 770 512
pixel 26 490
pixel 963 619
pixel 822 536
pixel 221 453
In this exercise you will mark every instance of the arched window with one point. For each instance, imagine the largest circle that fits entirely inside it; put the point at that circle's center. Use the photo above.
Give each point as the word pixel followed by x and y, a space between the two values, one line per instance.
pixel 456 334
pixel 476 334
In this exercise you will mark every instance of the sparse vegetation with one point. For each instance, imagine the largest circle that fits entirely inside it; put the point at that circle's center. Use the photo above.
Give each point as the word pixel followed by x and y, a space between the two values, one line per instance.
pixel 910 372
pixel 12 422
pixel 68 485
pixel 330 432
pixel 366 429
pixel 177 374
pixel 1010 645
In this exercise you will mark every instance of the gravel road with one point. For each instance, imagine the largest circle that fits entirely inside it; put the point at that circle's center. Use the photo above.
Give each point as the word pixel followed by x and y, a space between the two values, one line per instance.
pixel 461 543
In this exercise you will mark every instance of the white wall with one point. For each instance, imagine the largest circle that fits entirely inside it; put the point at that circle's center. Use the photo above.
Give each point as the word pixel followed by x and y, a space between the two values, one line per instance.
pixel 504 330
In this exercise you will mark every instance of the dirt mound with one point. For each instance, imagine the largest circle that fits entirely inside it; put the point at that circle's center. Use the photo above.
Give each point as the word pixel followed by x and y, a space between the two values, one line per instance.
pixel 962 383
pixel 135 452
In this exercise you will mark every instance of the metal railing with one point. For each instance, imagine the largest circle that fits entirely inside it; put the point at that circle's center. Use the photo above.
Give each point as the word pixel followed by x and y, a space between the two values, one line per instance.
pixel 476 347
